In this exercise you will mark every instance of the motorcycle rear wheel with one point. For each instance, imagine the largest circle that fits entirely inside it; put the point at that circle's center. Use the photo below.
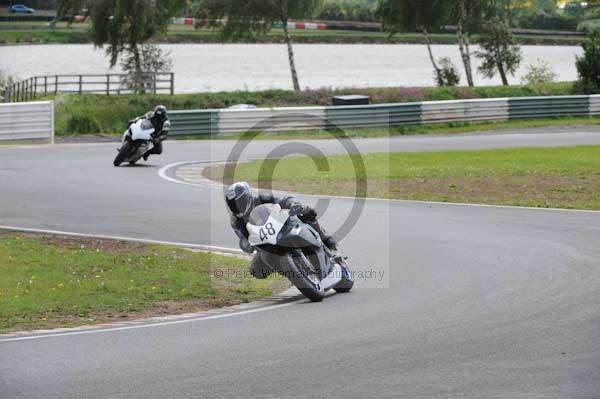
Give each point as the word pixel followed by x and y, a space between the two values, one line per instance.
pixel 347 283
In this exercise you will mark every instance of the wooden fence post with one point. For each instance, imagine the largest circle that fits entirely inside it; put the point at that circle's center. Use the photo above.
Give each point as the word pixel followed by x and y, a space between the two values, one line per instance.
pixel 172 83
pixel 45 85
pixel 80 84
pixel 108 84
pixel 55 84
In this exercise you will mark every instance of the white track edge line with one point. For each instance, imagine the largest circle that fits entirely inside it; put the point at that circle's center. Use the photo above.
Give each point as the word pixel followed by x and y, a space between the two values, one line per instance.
pixel 163 174
pixel 149 325
pixel 120 238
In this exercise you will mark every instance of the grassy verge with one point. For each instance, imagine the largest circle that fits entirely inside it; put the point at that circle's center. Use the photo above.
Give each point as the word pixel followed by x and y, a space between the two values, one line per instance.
pixel 92 114
pixel 39 33
pixel 564 177
pixel 49 281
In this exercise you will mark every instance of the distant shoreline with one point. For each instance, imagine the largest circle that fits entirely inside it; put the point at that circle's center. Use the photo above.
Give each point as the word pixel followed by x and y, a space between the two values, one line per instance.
pixel 11 36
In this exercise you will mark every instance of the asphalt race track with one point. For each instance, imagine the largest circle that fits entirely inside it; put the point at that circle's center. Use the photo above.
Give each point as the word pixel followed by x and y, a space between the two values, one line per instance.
pixel 475 302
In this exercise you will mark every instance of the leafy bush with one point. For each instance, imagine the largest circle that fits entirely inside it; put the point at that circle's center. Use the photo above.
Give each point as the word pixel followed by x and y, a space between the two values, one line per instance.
pixel 82 124
pixel 448 75
pixel 96 113
pixel 5 81
pixel 348 11
pixel 588 65
pixel 548 22
pixel 574 9
pixel 539 73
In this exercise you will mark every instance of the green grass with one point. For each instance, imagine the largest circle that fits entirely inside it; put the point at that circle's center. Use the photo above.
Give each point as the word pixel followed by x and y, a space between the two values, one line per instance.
pixel 564 177
pixel 49 282
pixel 109 114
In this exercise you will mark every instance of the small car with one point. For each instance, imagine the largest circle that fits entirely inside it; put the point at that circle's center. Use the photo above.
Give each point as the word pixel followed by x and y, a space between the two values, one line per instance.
pixel 20 9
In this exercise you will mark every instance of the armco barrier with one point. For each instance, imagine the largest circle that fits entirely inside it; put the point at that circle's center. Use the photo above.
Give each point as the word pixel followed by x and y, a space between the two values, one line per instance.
pixel 595 105
pixel 194 123
pixel 265 119
pixel 495 109
pixel 27 121
pixel 363 116
pixel 228 121
pixel 548 107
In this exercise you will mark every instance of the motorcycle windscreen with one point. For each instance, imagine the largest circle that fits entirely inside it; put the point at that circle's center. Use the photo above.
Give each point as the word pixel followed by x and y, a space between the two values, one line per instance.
pixel 141 130
pixel 261 214
pixel 265 224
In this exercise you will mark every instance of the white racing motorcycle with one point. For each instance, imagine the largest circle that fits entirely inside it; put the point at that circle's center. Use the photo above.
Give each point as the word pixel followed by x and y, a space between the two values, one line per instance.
pixel 295 250
pixel 138 139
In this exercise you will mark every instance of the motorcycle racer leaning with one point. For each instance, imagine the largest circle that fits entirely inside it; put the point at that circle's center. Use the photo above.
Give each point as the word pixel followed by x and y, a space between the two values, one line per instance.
pixel 156 120
pixel 241 201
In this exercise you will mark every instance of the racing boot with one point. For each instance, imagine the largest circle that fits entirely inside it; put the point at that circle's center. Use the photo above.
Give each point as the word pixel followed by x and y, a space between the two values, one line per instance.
pixel 259 269
pixel 328 240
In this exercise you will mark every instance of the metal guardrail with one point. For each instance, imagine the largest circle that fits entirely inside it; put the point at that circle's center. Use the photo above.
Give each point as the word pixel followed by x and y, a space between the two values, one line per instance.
pixel 229 121
pixel 547 107
pixel 111 83
pixel 35 120
pixel 27 121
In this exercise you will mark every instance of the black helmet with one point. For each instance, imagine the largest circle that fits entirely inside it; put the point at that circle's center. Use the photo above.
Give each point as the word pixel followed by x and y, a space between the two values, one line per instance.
pixel 159 114
pixel 239 199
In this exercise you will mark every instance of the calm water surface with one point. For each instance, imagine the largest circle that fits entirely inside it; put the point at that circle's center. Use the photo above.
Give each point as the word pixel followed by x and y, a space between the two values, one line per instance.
pixel 218 67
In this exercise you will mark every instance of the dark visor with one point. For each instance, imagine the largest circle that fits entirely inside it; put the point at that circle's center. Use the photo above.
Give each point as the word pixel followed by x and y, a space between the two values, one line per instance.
pixel 235 205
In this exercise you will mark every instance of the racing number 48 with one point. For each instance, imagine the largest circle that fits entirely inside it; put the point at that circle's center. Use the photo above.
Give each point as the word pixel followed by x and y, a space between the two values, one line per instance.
pixel 267 231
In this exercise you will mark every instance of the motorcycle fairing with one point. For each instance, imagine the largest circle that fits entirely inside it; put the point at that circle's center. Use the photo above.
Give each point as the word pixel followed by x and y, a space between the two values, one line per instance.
pixel 141 130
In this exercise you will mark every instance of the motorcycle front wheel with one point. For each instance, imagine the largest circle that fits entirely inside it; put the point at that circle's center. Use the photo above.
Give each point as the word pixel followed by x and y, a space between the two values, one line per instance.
pixel 304 276
pixel 123 153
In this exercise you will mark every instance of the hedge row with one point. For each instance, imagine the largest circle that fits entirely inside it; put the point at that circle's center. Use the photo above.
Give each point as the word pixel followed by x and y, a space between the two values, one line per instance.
pixel 85 114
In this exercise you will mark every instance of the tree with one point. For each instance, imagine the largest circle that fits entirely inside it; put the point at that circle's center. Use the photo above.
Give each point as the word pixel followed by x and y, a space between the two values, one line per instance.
pixel 124 25
pixel 574 9
pixel 588 65
pixel 546 6
pixel 246 18
pixel 499 51
pixel 509 10
pixel 141 66
pixel 425 16
pixel 470 16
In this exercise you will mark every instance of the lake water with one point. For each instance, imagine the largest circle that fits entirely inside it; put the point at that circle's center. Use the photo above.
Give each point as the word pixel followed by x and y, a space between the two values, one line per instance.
pixel 229 67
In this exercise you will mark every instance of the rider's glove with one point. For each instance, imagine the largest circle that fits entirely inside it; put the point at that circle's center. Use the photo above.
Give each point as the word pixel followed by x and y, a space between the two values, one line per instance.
pixel 310 215
pixel 245 246
pixel 297 209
